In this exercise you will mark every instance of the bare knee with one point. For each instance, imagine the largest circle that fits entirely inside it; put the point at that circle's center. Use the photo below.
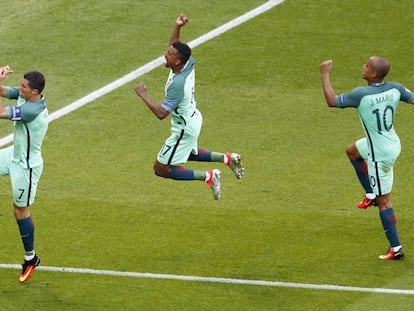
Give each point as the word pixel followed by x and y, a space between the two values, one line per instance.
pixel 384 201
pixel 352 152
pixel 162 170
pixel 21 212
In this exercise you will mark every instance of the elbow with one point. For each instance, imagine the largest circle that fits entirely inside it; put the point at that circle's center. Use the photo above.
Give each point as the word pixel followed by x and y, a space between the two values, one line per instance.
pixel 331 104
pixel 161 115
pixel 330 100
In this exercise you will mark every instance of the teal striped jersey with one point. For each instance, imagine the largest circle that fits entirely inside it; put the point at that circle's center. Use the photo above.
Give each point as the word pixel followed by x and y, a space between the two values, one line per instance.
pixel 30 127
pixel 179 94
pixel 376 105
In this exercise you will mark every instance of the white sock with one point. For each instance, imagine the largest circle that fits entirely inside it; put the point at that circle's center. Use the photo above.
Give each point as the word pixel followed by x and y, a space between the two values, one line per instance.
pixel 29 255
pixel 396 248
pixel 370 196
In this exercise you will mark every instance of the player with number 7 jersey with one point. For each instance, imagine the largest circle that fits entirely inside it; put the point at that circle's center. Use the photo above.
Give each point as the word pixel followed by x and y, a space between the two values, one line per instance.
pixel 23 160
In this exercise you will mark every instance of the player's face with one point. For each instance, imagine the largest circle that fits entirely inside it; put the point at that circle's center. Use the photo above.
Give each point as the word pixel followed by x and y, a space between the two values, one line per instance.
pixel 25 89
pixel 171 57
pixel 26 92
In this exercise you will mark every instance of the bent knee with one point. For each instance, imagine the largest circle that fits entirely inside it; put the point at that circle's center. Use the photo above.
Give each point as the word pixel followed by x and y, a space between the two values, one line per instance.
pixel 352 152
pixel 162 170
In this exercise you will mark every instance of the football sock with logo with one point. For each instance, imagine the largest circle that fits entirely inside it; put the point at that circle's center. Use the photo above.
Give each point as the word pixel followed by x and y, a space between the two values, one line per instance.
pixel 202 156
pixel 389 222
pixel 207 156
pixel 26 228
pixel 361 170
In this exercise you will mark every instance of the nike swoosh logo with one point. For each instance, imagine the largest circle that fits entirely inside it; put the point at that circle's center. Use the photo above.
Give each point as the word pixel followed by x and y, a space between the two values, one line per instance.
pixel 27 275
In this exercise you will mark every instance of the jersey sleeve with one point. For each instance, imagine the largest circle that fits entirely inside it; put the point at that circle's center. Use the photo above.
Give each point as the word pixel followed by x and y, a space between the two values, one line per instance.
pixel 406 95
pixel 25 112
pixel 351 99
pixel 12 92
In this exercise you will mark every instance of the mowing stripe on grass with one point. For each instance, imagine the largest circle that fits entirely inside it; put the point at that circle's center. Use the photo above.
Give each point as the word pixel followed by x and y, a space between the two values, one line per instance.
pixel 152 65
pixel 191 278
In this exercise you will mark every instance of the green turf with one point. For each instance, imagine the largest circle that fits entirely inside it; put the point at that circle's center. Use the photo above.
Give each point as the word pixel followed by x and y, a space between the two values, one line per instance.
pixel 292 219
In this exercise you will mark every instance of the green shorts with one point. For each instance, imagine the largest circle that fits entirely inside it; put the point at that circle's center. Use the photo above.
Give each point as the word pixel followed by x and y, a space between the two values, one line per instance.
pixel 23 181
pixel 381 173
pixel 182 141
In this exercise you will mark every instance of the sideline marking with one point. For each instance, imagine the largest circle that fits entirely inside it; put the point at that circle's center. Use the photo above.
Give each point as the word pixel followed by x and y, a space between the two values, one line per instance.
pixel 152 65
pixel 130 77
pixel 218 280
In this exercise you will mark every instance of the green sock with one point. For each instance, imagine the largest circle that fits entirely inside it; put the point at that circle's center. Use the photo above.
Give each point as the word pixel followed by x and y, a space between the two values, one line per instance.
pixel 217 157
pixel 199 175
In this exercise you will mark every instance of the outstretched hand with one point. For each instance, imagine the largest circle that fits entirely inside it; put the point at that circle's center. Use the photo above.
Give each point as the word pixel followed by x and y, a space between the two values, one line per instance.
pixel 4 71
pixel 181 20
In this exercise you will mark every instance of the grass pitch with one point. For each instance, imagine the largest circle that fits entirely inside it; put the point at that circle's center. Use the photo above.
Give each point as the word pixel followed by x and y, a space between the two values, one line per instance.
pixel 292 219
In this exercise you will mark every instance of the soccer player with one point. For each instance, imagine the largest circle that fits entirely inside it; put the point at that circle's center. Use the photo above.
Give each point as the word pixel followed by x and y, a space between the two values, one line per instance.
pixel 23 160
pixel 186 120
pixel 373 157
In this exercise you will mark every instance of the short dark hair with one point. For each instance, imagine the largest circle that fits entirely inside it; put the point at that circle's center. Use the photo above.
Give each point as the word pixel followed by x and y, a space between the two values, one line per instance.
pixel 36 80
pixel 183 50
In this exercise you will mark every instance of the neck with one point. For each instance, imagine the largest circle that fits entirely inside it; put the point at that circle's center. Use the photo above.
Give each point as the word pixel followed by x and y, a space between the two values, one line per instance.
pixel 375 81
pixel 34 98
pixel 177 69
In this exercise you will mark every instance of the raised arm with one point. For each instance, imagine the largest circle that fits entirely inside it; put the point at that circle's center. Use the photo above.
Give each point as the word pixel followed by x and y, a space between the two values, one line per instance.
pixel 4 71
pixel 329 93
pixel 179 22
pixel 3 111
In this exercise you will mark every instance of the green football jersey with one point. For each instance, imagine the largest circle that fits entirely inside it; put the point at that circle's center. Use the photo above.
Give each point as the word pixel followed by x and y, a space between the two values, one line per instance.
pixel 376 105
pixel 179 95
pixel 30 127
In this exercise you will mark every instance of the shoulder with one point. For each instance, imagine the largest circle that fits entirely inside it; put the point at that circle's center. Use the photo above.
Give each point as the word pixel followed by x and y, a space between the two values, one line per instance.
pixel 188 67
pixel 393 85
pixel 396 85
pixel 191 60
pixel 352 98
pixel 177 82
pixel 31 110
pixel 406 94
pixel 360 90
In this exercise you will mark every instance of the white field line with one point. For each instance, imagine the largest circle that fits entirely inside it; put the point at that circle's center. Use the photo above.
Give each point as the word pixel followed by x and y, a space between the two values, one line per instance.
pixel 151 65
pixel 191 278
pixel 130 77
